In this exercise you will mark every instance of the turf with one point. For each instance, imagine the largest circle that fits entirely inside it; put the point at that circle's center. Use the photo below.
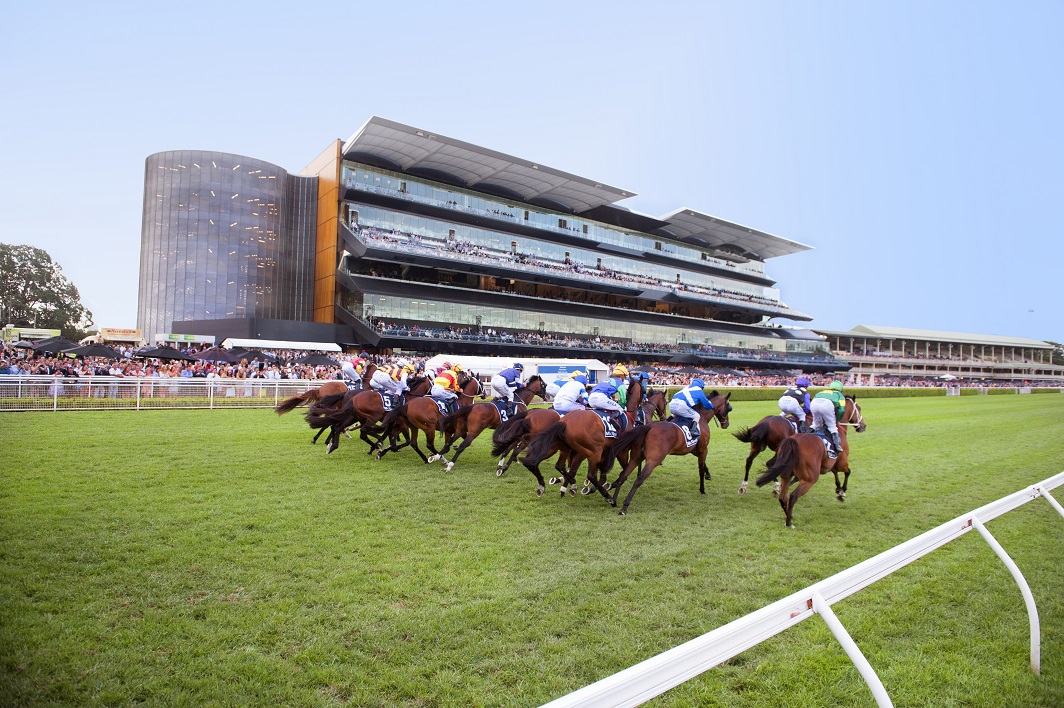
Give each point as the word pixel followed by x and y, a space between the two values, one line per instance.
pixel 216 558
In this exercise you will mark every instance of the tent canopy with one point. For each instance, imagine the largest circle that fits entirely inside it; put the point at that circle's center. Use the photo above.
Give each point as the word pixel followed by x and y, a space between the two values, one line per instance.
pixel 279 344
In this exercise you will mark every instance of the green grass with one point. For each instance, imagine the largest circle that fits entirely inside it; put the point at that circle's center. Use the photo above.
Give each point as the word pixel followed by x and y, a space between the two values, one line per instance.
pixel 216 558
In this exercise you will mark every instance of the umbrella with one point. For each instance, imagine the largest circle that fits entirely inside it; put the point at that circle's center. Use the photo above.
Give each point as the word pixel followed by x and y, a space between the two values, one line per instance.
pixel 216 354
pixel 93 349
pixel 317 360
pixel 254 354
pixel 54 345
pixel 685 359
pixel 163 353
pixel 23 345
pixel 647 369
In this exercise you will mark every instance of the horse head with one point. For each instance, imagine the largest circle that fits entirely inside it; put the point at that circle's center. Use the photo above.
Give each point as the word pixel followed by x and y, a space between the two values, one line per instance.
pixel 721 408
pixel 469 382
pixel 537 387
pixel 635 392
pixel 852 415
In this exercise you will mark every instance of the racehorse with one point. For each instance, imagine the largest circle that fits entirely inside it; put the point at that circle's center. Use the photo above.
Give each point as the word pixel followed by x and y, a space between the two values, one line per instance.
pixel 340 411
pixel 803 458
pixel 328 388
pixel 513 436
pixel 651 444
pixel 471 421
pixel 769 432
pixel 582 435
pixel 422 413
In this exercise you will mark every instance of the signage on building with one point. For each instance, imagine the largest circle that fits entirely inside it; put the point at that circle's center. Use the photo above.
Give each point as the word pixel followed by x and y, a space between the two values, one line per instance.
pixel 113 334
pixel 186 338
pixel 14 334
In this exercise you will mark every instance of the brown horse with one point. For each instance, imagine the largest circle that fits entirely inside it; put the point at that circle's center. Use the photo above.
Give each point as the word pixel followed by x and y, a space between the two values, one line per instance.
pixel 651 444
pixel 582 436
pixel 341 411
pixel 512 437
pixel 769 432
pixel 328 388
pixel 802 458
pixel 471 421
pixel 422 413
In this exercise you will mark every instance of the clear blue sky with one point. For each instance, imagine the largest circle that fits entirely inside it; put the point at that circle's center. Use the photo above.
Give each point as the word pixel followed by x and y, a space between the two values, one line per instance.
pixel 915 145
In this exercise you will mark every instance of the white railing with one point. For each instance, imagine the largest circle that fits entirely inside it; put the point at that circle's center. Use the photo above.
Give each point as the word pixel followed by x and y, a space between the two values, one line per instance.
pixel 56 393
pixel 658 674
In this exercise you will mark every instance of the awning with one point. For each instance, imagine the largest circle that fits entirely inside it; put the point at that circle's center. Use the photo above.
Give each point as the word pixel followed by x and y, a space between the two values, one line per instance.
pixel 278 344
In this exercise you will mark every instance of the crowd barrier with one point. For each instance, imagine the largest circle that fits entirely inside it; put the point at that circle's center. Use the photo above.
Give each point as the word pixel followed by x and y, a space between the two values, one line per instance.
pixel 54 393
pixel 640 683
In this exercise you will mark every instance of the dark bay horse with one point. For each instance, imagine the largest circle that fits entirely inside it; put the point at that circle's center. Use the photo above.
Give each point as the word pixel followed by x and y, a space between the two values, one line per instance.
pixel 471 421
pixel 422 413
pixel 582 436
pixel 802 458
pixel 341 411
pixel 328 388
pixel 769 432
pixel 651 444
pixel 512 437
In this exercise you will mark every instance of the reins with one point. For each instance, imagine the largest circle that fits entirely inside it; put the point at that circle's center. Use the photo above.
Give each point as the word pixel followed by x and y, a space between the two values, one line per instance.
pixel 856 411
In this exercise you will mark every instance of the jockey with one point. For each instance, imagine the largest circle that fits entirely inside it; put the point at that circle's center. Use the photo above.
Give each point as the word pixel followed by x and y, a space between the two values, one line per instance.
pixel 601 397
pixel 573 395
pixel 392 378
pixel 445 366
pixel 556 385
pixel 350 372
pixel 827 408
pixel 506 383
pixel 795 400
pixel 683 403
pixel 445 386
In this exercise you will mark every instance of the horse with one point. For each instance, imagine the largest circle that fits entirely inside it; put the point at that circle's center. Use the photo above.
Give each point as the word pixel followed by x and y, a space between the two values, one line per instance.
pixel 422 413
pixel 330 388
pixel 582 435
pixel 769 432
pixel 803 458
pixel 471 421
pixel 512 437
pixel 340 411
pixel 651 444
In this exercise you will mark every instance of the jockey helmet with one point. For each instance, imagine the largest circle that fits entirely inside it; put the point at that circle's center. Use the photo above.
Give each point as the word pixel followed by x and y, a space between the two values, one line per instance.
pixel 579 376
pixel 620 370
pixel 576 374
pixel 402 362
pixel 446 365
pixel 457 368
pixel 802 381
pixel 408 368
pixel 519 366
pixel 698 383
pixel 836 386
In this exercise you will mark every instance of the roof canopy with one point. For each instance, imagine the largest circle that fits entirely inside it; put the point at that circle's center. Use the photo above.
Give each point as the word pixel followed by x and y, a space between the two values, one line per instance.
pixel 706 230
pixel 990 340
pixel 415 150
pixel 278 344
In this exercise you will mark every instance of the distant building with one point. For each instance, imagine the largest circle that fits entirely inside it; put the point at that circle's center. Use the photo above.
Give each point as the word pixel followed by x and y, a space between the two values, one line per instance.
pixel 402 239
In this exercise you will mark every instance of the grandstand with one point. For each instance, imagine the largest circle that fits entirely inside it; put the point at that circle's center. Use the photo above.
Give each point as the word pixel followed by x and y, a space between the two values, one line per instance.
pixel 402 239
pixel 882 352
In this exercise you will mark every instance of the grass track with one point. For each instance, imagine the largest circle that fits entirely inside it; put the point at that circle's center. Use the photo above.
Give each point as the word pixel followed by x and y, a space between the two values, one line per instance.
pixel 215 557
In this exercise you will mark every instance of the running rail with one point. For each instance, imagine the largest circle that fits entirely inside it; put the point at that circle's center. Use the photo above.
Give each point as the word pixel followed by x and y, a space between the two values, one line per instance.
pixel 658 674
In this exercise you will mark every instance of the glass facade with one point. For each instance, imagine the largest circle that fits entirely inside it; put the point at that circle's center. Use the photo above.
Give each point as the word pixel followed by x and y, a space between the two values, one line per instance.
pixel 224 236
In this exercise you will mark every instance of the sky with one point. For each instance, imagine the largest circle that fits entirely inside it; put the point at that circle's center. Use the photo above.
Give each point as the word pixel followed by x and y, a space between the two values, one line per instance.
pixel 914 145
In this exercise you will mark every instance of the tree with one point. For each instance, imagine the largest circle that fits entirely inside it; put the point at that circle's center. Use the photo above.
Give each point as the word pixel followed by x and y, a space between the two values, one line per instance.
pixel 1057 355
pixel 35 293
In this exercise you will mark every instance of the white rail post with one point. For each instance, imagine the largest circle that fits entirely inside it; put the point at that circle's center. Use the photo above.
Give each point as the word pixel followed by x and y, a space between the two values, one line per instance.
pixel 822 608
pixel 140 382
pixel 1049 498
pixel 1025 589
pixel 55 396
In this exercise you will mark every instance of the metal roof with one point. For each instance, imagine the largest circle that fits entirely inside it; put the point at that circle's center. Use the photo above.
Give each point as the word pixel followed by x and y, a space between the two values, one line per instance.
pixel 414 149
pixel 706 230
pixel 990 340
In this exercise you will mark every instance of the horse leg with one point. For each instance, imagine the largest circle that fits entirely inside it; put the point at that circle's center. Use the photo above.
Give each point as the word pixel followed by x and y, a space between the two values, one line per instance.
pixel 703 470
pixel 513 452
pixel 640 478
pixel 801 489
pixel 755 450
pixel 320 431
pixel 635 461
pixel 840 490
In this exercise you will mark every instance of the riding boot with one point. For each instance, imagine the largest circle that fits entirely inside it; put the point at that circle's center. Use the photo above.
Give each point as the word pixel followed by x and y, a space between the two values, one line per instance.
pixel 837 442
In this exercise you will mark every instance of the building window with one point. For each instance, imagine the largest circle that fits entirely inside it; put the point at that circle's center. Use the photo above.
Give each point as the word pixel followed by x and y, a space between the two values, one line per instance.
pixel 563 224
pixel 513 246
pixel 657 245
pixel 585 228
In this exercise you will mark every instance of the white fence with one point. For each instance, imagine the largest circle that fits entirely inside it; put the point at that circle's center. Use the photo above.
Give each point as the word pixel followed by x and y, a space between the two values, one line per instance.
pixel 658 674
pixel 54 393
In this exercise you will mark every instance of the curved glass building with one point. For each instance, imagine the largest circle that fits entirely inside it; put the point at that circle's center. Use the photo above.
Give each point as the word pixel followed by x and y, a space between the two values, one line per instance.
pixel 223 237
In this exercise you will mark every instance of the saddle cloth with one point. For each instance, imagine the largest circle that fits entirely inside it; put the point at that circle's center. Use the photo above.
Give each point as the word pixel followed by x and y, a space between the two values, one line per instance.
pixel 353 385
pixel 825 438
pixel 441 403
pixel 613 426
pixel 689 428
pixel 388 401
pixel 500 405
pixel 793 422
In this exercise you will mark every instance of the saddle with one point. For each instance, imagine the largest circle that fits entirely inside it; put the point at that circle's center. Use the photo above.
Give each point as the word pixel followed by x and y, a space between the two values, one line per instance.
pixel 614 425
pixel 354 385
pixel 390 402
pixel 447 406
pixel 689 428
pixel 825 437
pixel 792 420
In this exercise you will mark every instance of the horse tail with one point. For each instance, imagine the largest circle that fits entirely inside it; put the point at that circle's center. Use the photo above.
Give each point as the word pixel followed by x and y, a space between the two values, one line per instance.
pixel 451 422
pixel 625 441
pixel 331 400
pixel 757 434
pixel 505 435
pixel 304 399
pixel 540 448
pixel 320 415
pixel 785 462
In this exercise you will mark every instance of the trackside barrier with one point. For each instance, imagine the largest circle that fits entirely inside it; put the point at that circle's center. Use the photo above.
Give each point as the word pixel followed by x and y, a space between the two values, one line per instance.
pixel 55 393
pixel 660 673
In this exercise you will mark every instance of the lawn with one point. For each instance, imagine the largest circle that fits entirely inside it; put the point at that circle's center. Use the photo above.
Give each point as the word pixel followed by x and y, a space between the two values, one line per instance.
pixel 217 558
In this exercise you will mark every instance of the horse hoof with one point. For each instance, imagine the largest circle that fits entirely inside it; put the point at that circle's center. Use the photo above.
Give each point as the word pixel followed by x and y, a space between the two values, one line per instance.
pixel 552 480
pixel 433 458
pixel 448 467
pixel 539 491
pixel 329 448
pixel 587 483
pixel 841 496
pixel 585 491
pixel 623 512
pixel 380 455
pixel 572 491
pixel 499 472
pixel 607 486
pixel 742 489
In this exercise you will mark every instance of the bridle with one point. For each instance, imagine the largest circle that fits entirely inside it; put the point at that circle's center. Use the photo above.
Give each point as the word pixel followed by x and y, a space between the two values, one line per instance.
pixel 859 423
